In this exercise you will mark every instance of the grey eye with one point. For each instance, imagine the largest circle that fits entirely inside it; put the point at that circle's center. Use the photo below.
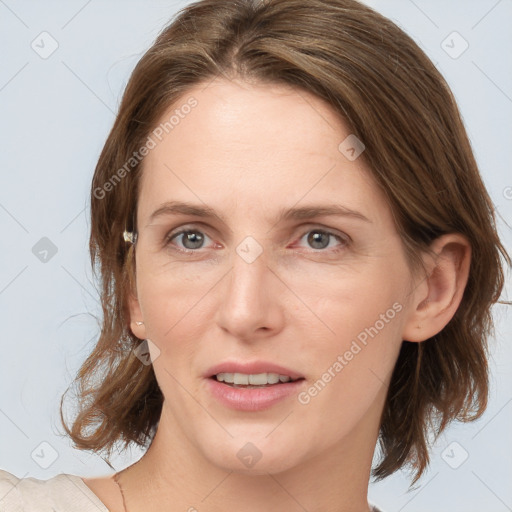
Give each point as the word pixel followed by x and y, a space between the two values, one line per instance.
pixel 319 239
pixel 191 239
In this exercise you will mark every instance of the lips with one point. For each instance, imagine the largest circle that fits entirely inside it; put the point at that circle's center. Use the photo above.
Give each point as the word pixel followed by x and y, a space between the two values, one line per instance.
pixel 240 385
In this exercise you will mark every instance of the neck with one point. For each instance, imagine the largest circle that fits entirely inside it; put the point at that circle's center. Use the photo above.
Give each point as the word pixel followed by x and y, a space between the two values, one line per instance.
pixel 175 476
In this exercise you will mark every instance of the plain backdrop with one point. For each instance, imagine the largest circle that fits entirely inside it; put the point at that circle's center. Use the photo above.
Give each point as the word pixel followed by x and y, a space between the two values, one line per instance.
pixel 63 68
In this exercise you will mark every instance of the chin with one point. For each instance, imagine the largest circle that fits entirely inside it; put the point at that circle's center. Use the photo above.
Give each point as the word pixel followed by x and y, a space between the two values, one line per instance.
pixel 257 457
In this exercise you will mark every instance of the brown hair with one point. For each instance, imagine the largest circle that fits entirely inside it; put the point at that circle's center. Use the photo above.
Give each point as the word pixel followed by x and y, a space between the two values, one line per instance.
pixel 393 99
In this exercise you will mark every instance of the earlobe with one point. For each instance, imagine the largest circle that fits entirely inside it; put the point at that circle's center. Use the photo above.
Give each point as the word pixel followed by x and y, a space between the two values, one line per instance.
pixel 137 326
pixel 436 299
pixel 136 318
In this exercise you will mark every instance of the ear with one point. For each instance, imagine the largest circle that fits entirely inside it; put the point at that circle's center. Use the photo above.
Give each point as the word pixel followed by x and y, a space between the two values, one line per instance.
pixel 437 297
pixel 135 313
pixel 136 317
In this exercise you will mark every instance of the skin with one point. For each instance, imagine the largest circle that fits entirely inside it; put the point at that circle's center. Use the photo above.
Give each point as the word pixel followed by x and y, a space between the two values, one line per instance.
pixel 248 151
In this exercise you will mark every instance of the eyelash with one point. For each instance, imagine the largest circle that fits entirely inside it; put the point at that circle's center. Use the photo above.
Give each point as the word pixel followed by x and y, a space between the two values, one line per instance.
pixel 345 240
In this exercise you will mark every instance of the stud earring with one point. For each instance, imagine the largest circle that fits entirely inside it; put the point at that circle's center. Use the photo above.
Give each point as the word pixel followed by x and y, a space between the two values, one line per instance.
pixel 128 236
pixel 139 323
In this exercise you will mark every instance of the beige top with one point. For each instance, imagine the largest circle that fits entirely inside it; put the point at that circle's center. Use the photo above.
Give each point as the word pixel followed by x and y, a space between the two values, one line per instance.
pixel 62 493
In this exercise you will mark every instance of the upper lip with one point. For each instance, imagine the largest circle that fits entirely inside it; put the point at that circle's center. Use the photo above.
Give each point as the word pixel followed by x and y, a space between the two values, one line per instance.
pixel 252 368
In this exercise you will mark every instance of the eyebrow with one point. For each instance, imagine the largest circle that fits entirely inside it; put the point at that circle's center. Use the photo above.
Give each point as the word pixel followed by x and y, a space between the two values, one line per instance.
pixel 298 213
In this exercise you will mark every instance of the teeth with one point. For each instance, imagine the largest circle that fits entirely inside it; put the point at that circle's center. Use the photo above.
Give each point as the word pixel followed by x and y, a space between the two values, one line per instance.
pixel 240 378
pixel 258 379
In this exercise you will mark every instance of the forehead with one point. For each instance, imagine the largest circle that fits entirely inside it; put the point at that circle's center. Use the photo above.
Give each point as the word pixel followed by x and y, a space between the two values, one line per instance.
pixel 252 147
pixel 234 119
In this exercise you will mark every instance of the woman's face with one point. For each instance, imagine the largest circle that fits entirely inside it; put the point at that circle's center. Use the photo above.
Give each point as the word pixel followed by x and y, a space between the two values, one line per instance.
pixel 295 262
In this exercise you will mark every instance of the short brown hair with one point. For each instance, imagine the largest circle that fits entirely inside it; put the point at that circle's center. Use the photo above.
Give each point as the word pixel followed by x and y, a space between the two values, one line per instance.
pixel 391 96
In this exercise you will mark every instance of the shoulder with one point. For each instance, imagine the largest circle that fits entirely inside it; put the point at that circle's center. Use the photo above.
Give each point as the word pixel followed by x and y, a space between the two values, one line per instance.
pixel 62 492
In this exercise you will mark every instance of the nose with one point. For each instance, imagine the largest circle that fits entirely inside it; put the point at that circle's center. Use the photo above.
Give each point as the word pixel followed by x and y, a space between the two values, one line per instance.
pixel 250 300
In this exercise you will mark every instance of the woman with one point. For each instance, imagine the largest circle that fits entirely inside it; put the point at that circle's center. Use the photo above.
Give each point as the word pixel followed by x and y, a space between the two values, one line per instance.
pixel 298 260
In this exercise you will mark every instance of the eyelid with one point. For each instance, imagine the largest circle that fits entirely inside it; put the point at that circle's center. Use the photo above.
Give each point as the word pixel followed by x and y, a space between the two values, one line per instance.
pixel 332 231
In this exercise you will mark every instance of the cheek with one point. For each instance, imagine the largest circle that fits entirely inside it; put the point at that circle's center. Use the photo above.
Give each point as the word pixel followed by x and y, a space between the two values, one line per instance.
pixel 171 300
pixel 352 367
pixel 357 335
pixel 356 305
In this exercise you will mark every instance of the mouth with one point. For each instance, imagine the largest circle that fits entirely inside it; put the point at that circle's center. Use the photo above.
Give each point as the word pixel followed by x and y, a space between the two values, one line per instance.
pixel 253 380
pixel 253 392
pixel 252 386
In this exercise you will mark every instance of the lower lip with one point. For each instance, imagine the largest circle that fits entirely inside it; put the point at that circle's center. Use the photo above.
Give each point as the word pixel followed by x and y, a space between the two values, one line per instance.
pixel 252 399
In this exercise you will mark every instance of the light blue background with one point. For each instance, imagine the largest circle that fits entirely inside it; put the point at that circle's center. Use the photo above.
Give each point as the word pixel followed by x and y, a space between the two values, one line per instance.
pixel 55 116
